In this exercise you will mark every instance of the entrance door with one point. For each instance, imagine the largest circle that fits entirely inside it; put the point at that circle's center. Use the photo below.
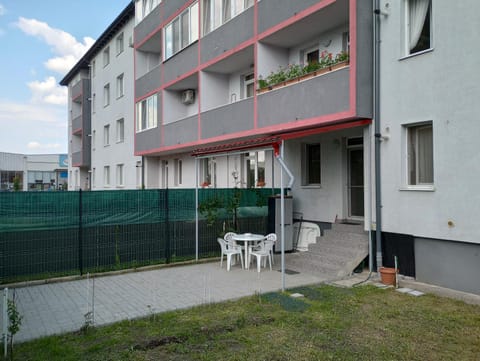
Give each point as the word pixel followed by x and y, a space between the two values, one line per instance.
pixel 355 179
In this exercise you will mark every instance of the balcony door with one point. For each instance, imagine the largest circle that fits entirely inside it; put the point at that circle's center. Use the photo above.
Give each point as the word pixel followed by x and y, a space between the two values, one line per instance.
pixel 355 181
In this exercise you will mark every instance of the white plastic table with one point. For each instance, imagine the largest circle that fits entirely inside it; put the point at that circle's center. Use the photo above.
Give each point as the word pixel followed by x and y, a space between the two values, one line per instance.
pixel 246 238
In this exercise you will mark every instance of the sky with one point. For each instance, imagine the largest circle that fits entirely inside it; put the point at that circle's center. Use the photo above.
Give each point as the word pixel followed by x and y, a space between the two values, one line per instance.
pixel 40 41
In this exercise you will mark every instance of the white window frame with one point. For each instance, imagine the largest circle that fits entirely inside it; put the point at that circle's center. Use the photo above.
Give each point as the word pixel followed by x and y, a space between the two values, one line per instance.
pixel 120 43
pixel 178 172
pixel 120 130
pixel 120 86
pixel 306 171
pixel 120 175
pixel 106 135
pixel 106 56
pixel 173 42
pixel 143 8
pixel 106 176
pixel 248 80
pixel 411 154
pixel 106 95
pixel 218 12
pixel 406 34
pixel 147 113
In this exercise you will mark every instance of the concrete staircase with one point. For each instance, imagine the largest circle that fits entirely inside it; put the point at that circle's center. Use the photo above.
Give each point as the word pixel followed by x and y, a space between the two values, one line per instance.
pixel 335 255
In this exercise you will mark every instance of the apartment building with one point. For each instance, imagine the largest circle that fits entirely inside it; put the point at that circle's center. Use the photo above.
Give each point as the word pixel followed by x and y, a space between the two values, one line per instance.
pixel 369 105
pixel 197 69
pixel 101 112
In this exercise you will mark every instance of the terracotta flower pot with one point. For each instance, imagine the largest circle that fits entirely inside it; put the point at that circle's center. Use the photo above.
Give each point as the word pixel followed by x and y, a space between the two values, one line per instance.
pixel 388 275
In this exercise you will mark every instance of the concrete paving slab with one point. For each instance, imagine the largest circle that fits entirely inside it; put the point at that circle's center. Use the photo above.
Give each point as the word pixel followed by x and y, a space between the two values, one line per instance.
pixel 55 308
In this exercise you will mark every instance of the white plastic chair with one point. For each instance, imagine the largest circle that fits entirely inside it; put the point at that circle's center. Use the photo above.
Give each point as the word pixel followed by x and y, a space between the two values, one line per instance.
pixel 229 250
pixel 264 251
pixel 272 237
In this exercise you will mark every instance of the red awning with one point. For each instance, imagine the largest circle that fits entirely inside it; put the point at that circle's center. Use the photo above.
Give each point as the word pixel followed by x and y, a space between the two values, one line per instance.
pixel 273 140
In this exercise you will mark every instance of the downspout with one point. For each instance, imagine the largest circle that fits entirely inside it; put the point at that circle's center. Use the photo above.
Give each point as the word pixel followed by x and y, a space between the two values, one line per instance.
pixel 279 155
pixel 378 139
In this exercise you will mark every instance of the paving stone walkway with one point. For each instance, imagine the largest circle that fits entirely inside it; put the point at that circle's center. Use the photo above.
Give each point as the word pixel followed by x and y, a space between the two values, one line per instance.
pixel 55 308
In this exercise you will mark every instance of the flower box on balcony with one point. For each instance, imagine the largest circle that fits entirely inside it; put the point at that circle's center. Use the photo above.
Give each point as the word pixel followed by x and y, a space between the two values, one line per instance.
pixel 297 73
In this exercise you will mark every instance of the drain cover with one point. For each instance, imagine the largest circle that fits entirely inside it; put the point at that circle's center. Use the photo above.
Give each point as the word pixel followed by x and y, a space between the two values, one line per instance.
pixel 289 272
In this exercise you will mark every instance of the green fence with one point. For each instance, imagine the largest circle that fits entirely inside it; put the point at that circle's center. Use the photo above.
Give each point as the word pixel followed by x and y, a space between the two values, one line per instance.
pixel 45 234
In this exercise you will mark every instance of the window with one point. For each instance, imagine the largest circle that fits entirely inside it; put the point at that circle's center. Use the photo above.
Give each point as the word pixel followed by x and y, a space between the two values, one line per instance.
pixel 120 130
pixel 147 113
pixel 249 85
pixel 120 87
pixel 94 139
pixel 208 170
pixel 178 172
pixel 418 15
pixel 311 56
pixel 106 135
pixel 120 43
pixel 94 103
pixel 255 166
pixel 106 176
pixel 120 181
pixel 311 170
pixel 182 31
pixel 144 7
pixel 218 12
pixel 106 95
pixel 106 56
pixel 420 154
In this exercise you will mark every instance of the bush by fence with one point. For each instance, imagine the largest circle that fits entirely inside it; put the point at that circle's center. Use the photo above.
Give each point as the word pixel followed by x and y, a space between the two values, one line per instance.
pixel 59 233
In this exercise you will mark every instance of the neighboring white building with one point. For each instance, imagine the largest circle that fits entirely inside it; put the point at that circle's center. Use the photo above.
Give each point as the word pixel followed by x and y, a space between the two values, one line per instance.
pixel 430 86
pixel 35 172
pixel 101 112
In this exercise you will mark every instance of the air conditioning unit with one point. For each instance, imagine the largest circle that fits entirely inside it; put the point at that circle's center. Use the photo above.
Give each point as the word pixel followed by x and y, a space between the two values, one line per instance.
pixel 188 96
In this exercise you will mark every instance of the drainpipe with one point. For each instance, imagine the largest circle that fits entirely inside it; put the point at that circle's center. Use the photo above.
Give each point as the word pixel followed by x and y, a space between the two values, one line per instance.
pixel 378 139
pixel 279 155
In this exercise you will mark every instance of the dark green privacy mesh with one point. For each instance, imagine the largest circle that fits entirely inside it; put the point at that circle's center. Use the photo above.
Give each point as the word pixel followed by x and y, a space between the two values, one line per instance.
pixel 44 234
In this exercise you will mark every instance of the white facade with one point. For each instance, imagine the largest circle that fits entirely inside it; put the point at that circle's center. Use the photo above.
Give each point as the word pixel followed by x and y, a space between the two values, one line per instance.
pixel 112 146
pixel 438 86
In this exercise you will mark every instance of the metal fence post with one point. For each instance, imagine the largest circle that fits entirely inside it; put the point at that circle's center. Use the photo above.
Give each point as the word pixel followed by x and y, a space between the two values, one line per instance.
pixel 80 232
pixel 5 322
pixel 167 228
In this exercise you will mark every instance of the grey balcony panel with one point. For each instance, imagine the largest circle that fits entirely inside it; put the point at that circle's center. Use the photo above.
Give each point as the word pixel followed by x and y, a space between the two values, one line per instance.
pixel 231 118
pixel 148 82
pixel 364 60
pixel 148 24
pixel 86 116
pixel 77 123
pixel 148 140
pixel 181 63
pixel 170 7
pixel 322 95
pixel 272 12
pixel 228 36
pixel 81 90
pixel 181 132
pixel 77 158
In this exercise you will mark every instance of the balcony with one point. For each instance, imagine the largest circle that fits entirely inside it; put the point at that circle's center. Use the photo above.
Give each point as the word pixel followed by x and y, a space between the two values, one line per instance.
pixel 229 35
pixel 82 157
pixel 81 91
pixel 181 132
pixel 182 62
pixel 148 24
pixel 77 125
pixel 322 95
pixel 148 82
pixel 228 119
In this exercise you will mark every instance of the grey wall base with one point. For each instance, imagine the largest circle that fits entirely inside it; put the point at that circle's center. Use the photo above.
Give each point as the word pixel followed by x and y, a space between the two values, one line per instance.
pixel 454 265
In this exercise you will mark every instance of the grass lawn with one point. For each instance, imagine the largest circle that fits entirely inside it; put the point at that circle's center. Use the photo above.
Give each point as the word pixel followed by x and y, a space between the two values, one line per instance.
pixel 364 323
